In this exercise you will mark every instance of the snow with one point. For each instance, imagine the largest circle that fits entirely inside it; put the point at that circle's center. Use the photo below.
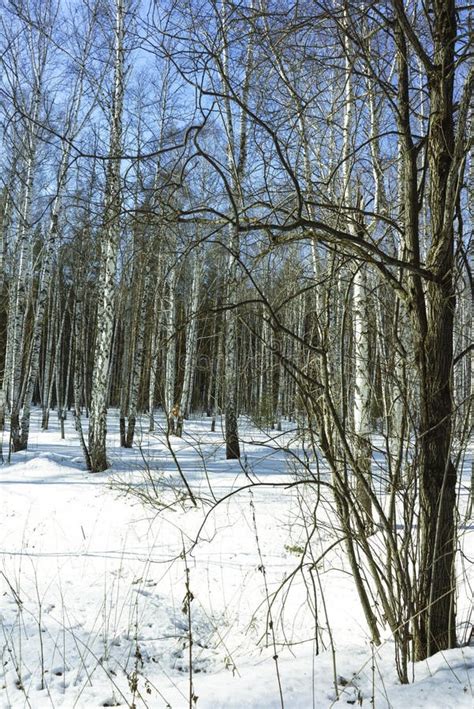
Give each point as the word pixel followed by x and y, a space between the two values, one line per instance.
pixel 93 584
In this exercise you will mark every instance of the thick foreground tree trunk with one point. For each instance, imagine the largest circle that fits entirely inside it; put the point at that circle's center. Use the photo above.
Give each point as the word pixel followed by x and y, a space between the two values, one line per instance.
pixel 437 475
pixel 436 629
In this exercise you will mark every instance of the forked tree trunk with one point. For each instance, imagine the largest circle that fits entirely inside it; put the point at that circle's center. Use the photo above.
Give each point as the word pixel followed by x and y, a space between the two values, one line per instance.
pixel 38 329
pixel 18 303
pixel 432 310
pixel 47 266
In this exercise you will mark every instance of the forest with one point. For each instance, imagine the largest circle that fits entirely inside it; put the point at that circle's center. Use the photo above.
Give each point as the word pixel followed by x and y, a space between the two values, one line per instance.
pixel 236 353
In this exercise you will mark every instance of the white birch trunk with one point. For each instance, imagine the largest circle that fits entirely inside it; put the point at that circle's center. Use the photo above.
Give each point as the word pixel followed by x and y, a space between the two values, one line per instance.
pixel 236 164
pixel 362 378
pixel 218 376
pixel 20 297
pixel 231 359
pixel 78 383
pixel 127 332
pixel 137 364
pixel 154 350
pixel 170 347
pixel 47 265
pixel 48 358
pixel 4 229
pixel 24 244
pixel 106 305
pixel 191 339
pixel 55 366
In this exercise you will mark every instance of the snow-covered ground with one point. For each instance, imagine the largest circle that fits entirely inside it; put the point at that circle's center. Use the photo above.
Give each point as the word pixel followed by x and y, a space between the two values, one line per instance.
pixel 97 608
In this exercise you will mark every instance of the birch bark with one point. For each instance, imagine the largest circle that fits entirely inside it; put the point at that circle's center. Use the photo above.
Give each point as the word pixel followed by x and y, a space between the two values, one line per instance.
pixel 110 245
pixel 191 338
pixel 48 253
pixel 154 354
pixel 137 364
pixel 20 296
pixel 362 376
pixel 170 339
pixel 236 164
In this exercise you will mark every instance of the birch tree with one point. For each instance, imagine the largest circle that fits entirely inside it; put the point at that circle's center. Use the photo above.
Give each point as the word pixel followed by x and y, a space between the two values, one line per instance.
pixel 140 318
pixel 169 311
pixel 236 150
pixel 109 252
pixel 191 336
pixel 70 132
pixel 38 47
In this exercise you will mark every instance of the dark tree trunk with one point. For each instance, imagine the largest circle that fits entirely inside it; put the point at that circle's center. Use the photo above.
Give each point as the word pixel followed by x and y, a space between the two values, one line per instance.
pixel 231 435
pixel 436 629
pixel 437 479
